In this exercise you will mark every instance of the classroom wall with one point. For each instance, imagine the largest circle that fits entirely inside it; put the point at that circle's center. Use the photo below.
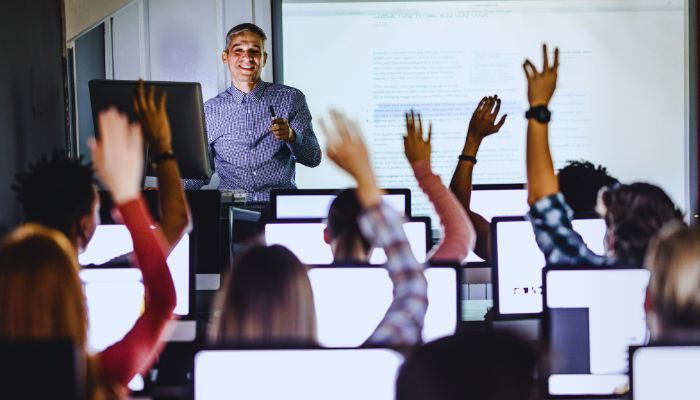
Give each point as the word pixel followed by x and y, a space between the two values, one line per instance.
pixel 32 106
pixel 83 14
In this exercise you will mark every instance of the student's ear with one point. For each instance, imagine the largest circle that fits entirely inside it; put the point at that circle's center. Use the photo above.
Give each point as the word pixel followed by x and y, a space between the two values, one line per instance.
pixel 264 61
pixel 85 230
pixel 326 236
pixel 224 57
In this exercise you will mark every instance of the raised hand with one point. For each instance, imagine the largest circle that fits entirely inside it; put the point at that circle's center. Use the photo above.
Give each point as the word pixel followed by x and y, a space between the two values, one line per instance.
pixel 153 118
pixel 415 147
pixel 346 148
pixel 483 121
pixel 118 155
pixel 541 85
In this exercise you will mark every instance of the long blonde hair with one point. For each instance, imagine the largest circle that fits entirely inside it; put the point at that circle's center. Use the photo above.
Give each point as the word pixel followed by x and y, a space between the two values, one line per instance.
pixel 42 295
pixel 266 298
pixel 674 261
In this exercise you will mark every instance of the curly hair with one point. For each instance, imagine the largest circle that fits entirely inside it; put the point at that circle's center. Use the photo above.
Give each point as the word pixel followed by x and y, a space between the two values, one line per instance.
pixel 580 181
pixel 634 214
pixel 56 191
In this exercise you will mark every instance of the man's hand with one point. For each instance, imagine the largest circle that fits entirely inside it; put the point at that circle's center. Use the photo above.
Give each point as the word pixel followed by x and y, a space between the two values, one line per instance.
pixel 415 147
pixel 282 131
pixel 346 148
pixel 483 121
pixel 153 118
pixel 118 155
pixel 541 85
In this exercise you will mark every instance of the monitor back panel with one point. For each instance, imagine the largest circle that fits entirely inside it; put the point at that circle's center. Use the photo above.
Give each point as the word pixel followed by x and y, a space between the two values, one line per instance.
pixel 592 317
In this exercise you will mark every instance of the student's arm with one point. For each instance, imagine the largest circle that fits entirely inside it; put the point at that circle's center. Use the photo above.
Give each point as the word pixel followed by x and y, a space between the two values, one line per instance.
pixel 459 234
pixel 541 179
pixel 482 124
pixel 175 212
pixel 119 162
pixel 549 214
pixel 403 322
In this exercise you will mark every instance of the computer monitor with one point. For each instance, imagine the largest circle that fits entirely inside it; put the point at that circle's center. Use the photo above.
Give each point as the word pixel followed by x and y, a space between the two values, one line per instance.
pixel 314 203
pixel 592 316
pixel 115 300
pixel 111 245
pixel 665 372
pixel 296 374
pixel 518 261
pixel 496 201
pixel 304 237
pixel 352 299
pixel 41 369
pixel 185 111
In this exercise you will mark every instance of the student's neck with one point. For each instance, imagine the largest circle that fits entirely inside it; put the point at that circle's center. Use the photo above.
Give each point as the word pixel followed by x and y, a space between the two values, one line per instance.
pixel 357 255
pixel 245 87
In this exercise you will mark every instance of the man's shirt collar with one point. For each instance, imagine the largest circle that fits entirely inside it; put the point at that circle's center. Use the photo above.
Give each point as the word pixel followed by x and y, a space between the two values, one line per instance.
pixel 239 96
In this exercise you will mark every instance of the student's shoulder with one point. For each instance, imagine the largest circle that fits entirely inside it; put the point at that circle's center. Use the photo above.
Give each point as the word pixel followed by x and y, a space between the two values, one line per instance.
pixel 217 100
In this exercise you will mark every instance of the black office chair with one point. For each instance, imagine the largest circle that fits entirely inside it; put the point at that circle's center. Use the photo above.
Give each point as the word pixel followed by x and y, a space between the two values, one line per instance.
pixel 41 369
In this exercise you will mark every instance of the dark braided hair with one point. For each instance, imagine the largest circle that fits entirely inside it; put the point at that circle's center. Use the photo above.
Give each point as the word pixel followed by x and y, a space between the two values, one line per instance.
pixel 342 222
pixel 634 215
pixel 56 191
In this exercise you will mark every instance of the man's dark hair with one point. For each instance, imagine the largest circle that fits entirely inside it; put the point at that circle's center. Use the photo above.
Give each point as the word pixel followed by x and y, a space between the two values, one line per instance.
pixel 634 214
pixel 247 26
pixel 56 192
pixel 342 222
pixel 492 365
pixel 580 181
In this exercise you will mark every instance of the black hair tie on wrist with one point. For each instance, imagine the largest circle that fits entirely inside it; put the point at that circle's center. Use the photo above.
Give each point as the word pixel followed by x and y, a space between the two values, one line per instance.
pixel 464 157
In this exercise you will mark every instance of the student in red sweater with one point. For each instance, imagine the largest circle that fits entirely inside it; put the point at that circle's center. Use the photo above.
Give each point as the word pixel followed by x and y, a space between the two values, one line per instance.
pixel 40 289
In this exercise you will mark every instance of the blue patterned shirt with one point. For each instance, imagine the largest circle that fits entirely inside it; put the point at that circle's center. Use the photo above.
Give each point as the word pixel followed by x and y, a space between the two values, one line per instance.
pixel 551 220
pixel 246 155
pixel 402 324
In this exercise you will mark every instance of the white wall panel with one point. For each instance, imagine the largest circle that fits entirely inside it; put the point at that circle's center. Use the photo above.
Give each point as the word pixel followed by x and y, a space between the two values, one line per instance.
pixel 129 42
pixel 185 42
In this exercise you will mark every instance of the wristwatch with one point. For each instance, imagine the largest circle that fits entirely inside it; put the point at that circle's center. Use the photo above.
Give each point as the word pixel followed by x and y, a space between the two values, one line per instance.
pixel 539 113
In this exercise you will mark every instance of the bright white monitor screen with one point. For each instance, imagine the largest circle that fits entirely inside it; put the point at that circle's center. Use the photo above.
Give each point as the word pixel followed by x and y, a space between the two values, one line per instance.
pixel 665 372
pixel 426 55
pixel 112 241
pixel 115 300
pixel 346 320
pixel 520 262
pixel 348 374
pixel 305 240
pixel 491 203
pixel 317 205
pixel 595 316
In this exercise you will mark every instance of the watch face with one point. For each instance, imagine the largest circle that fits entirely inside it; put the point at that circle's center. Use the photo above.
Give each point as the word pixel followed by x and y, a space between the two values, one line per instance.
pixel 540 113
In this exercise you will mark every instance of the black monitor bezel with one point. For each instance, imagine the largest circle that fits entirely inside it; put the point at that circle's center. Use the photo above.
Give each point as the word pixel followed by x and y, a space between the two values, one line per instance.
pixel 197 142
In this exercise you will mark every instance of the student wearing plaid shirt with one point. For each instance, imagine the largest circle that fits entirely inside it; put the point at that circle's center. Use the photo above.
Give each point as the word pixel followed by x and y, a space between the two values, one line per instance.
pixel 633 213
pixel 257 131
pixel 382 226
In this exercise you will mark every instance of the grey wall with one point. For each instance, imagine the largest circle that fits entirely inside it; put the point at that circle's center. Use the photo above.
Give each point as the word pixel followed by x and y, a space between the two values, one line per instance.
pixel 32 104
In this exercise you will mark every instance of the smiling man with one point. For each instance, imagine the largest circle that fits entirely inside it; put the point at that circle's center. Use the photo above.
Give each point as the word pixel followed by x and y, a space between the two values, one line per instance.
pixel 257 130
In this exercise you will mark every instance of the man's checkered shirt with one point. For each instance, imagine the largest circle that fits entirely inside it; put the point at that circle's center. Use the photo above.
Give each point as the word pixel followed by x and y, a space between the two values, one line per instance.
pixel 246 155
